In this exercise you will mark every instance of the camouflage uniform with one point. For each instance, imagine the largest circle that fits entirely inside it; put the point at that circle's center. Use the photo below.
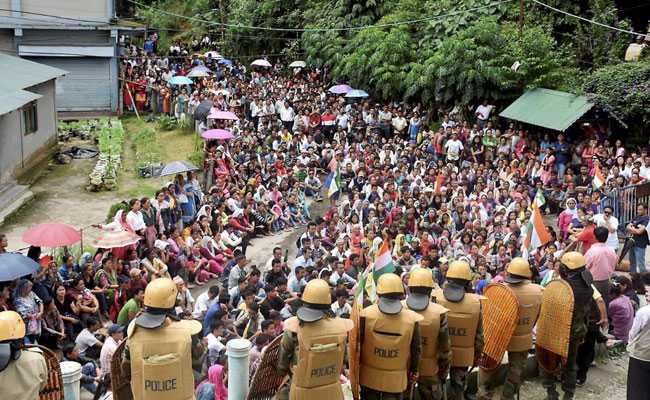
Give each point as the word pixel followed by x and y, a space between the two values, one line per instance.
pixel 458 375
pixel 431 387
pixel 516 366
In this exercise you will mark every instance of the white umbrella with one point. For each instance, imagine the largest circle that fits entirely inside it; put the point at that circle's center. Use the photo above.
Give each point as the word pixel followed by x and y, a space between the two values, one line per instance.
pixel 213 54
pixel 298 64
pixel 261 63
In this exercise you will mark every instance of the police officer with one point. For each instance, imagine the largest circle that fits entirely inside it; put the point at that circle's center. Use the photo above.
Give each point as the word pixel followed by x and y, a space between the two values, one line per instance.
pixel 574 272
pixel 436 351
pixel 529 297
pixel 159 346
pixel 313 346
pixel 465 328
pixel 390 343
pixel 23 372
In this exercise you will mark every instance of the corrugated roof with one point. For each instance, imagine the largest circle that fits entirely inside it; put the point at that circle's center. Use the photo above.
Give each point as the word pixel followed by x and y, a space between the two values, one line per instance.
pixel 18 73
pixel 548 108
pixel 15 100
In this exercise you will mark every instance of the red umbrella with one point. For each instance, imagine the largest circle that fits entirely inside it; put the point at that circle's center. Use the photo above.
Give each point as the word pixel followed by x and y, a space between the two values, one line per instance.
pixel 52 235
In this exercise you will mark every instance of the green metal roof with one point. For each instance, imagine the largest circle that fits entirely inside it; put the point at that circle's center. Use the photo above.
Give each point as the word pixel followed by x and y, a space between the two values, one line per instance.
pixel 548 108
pixel 18 73
pixel 15 100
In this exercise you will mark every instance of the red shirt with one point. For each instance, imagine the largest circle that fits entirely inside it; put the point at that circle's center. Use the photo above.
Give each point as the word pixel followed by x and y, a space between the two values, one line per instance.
pixel 587 238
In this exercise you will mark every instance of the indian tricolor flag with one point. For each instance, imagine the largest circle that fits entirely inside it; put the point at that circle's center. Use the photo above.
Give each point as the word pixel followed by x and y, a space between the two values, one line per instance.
pixel 536 233
pixel 383 264
pixel 599 179
pixel 437 186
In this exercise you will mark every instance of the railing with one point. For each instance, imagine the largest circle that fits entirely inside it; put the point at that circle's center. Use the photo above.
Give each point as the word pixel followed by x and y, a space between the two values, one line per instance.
pixel 624 201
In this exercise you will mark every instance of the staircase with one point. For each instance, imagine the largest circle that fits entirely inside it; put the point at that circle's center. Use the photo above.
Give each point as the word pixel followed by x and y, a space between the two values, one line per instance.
pixel 12 197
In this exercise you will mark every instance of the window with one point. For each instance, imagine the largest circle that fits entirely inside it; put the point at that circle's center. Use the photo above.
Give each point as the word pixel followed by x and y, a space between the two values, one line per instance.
pixel 30 118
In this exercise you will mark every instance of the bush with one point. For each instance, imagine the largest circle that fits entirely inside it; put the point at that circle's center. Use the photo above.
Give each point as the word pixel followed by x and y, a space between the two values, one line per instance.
pixel 167 123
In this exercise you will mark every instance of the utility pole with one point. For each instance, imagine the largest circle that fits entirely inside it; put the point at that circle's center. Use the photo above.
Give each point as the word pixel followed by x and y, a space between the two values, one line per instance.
pixel 521 17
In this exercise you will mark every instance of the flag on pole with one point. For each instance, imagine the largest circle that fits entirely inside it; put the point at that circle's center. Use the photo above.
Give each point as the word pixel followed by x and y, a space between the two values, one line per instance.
pixel 383 261
pixel 540 200
pixel 333 183
pixel 599 179
pixel 437 186
pixel 536 234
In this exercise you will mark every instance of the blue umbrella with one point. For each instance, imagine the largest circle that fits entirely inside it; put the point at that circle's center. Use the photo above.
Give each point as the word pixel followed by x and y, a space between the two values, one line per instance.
pixel 357 93
pixel 16 265
pixel 180 80
pixel 225 61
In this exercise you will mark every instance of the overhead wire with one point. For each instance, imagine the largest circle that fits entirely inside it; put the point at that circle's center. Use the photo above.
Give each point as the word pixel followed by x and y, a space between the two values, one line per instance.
pixel 591 21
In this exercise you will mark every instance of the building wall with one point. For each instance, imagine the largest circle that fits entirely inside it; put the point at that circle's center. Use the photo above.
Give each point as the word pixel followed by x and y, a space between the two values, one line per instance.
pixel 18 152
pixel 10 155
pixel 7 41
pixel 95 10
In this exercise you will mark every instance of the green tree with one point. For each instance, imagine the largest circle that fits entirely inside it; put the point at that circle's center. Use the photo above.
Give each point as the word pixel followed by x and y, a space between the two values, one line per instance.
pixel 623 89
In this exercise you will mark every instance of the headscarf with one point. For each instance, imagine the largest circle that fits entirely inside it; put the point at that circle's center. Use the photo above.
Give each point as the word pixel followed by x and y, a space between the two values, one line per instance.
pixel 215 377
pixel 574 212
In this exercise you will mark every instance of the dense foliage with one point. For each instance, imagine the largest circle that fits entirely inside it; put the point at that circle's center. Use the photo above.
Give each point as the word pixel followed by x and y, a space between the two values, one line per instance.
pixel 451 52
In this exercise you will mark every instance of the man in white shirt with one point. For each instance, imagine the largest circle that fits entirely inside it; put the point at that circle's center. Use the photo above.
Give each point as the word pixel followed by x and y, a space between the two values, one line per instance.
pixel 88 345
pixel 115 336
pixel 341 308
pixel 399 124
pixel 483 113
pixel 287 115
pixel 205 301
pixel 609 221
pixel 215 346
pixel 454 147
pixel 339 273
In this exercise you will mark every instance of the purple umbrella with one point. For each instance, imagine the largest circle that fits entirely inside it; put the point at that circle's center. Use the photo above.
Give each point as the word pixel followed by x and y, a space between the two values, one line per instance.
pixel 340 89
pixel 214 114
pixel 217 134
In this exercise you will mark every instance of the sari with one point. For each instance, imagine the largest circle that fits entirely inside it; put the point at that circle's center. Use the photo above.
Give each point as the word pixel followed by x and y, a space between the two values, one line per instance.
pixel 213 388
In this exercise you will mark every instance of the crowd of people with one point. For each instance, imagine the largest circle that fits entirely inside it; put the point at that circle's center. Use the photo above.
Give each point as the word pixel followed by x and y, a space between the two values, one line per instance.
pixel 462 189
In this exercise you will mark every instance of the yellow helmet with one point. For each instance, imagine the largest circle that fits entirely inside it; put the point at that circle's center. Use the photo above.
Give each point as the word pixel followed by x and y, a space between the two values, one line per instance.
pixel 12 326
pixel 317 291
pixel 389 283
pixel 459 270
pixel 421 277
pixel 518 269
pixel 573 260
pixel 316 301
pixel 160 293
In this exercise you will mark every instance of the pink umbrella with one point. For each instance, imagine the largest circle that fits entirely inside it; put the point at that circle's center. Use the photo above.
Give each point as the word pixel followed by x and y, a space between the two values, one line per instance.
pixel 223 115
pixel 52 235
pixel 340 89
pixel 112 239
pixel 217 134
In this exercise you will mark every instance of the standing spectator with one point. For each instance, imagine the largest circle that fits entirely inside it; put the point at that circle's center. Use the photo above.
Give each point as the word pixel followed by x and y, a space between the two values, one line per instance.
pixel 115 336
pixel 601 262
pixel 483 113
pixel 621 311
pixel 638 372
pixel 638 230
pixel 30 308
pixel 609 221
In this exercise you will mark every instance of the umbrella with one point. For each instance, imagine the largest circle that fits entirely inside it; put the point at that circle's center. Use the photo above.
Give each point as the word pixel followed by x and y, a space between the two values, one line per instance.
pixel 217 134
pixel 225 61
pixel 180 80
pixel 198 74
pixel 261 63
pixel 298 64
pixel 177 167
pixel 356 93
pixel 15 265
pixel 213 54
pixel 52 235
pixel 199 71
pixel 112 239
pixel 340 89
pixel 203 109
pixel 223 115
